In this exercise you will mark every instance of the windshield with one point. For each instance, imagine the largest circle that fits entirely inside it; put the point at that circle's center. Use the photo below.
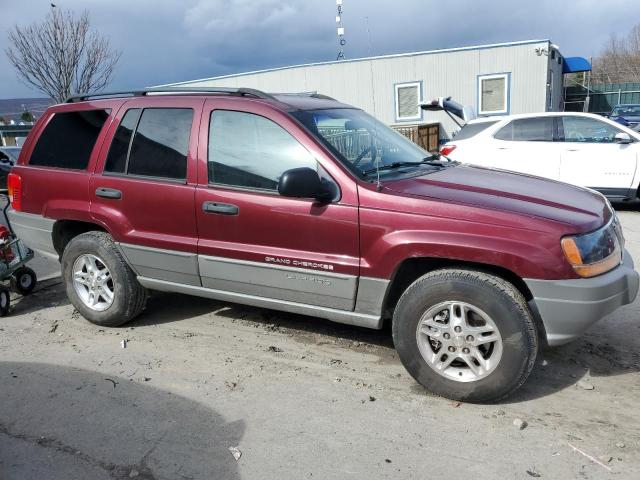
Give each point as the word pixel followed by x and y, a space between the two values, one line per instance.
pixel 622 110
pixel 364 144
pixel 11 152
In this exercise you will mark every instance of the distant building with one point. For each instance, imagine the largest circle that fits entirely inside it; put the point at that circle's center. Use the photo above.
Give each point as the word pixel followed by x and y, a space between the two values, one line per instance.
pixel 14 135
pixel 498 79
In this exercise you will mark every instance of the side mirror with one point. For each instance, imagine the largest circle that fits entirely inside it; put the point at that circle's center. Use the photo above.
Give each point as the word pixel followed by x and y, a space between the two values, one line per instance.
pixel 622 138
pixel 303 182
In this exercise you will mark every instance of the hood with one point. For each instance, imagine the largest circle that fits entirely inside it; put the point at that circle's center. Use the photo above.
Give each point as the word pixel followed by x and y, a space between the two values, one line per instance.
pixel 631 118
pixel 578 207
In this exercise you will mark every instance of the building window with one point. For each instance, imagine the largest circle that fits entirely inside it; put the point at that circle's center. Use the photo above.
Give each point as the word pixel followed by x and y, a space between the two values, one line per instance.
pixel 408 97
pixel 493 94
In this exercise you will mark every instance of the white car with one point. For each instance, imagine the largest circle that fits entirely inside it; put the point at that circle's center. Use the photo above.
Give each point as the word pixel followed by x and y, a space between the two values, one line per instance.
pixel 578 148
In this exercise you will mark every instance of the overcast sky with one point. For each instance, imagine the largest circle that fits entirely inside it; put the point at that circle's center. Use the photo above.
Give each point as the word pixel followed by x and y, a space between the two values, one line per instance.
pixel 166 41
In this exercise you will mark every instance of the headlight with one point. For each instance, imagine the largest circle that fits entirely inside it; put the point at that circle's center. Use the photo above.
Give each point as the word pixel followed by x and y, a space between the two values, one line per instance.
pixel 597 252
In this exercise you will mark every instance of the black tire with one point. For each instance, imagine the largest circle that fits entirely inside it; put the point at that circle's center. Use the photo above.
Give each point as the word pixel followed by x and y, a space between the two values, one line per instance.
pixel 5 301
pixel 500 300
pixel 24 280
pixel 129 297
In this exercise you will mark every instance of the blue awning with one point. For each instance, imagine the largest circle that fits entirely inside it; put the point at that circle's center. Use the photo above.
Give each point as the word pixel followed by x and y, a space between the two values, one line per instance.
pixel 575 64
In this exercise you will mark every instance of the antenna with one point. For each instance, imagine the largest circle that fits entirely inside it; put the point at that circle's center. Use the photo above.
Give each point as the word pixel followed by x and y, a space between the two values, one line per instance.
pixel 341 39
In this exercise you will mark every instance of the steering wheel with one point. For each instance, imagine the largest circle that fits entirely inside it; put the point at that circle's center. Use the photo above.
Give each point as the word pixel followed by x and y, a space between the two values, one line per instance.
pixel 364 152
pixel 370 149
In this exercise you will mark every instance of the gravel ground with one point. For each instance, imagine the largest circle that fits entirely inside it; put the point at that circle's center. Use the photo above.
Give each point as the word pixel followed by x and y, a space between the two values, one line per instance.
pixel 297 396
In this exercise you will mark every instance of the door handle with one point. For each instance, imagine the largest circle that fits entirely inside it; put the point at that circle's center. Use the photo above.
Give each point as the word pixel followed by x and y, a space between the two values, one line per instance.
pixel 111 193
pixel 220 208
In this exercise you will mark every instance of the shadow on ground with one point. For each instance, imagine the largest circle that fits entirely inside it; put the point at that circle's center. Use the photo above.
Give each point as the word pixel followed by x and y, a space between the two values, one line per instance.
pixel 60 423
pixel 602 352
pixel 607 350
pixel 170 307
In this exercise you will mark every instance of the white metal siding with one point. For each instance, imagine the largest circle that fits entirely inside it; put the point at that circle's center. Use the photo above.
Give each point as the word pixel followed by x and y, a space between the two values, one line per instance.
pixel 369 83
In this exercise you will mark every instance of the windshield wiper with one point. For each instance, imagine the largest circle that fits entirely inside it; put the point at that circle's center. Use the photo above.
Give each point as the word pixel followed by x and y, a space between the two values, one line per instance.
pixel 391 166
pixel 432 160
pixel 435 159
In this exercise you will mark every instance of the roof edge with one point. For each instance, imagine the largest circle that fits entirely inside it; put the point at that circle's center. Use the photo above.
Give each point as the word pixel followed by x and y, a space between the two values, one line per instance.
pixel 361 59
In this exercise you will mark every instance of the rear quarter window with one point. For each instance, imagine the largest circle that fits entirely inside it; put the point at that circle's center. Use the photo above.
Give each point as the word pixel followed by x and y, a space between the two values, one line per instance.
pixel 68 139
pixel 472 129
pixel 536 129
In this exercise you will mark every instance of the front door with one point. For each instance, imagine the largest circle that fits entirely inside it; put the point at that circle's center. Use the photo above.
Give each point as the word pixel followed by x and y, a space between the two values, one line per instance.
pixel 592 158
pixel 143 191
pixel 254 242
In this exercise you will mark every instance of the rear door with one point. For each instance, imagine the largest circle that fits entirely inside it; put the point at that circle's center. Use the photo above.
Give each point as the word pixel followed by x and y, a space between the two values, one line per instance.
pixel 143 190
pixel 592 158
pixel 526 145
pixel 254 242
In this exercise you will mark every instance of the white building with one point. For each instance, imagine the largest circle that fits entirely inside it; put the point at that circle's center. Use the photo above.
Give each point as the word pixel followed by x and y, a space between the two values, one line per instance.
pixel 498 79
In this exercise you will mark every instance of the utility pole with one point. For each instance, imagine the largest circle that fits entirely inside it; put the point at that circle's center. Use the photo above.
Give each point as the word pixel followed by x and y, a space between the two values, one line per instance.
pixel 341 40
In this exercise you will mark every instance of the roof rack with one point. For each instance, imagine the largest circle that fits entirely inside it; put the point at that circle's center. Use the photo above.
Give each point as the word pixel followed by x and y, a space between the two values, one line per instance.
pixel 243 92
pixel 306 94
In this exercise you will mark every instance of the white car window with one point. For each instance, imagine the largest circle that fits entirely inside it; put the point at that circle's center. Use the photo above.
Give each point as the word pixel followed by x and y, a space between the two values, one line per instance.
pixel 587 130
pixel 539 129
pixel 472 129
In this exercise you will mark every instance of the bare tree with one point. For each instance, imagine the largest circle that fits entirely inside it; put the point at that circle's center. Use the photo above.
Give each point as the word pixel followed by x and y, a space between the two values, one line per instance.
pixel 619 61
pixel 62 56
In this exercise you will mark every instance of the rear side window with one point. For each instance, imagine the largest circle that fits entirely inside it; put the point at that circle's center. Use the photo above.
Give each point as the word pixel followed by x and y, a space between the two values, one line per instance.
pixel 153 142
pixel 68 139
pixel 472 129
pixel 527 130
pixel 247 150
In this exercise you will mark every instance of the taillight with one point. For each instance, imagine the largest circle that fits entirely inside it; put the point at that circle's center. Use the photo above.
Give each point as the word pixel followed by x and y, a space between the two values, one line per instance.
pixel 14 185
pixel 447 149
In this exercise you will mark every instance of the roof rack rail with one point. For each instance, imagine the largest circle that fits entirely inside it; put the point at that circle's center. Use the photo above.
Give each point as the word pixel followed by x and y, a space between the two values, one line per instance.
pixel 321 96
pixel 313 94
pixel 250 92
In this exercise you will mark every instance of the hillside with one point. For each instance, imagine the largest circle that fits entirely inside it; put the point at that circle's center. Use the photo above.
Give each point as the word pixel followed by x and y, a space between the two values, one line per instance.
pixel 12 108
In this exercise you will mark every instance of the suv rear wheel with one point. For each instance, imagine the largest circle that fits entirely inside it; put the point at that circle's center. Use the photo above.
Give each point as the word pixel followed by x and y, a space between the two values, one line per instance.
pixel 465 335
pixel 99 283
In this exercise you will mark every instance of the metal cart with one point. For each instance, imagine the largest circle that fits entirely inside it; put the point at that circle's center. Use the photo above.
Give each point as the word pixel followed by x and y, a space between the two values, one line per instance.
pixel 14 255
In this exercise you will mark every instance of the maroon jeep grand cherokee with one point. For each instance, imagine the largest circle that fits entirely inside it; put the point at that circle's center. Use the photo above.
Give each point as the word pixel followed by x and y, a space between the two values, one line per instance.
pixel 303 204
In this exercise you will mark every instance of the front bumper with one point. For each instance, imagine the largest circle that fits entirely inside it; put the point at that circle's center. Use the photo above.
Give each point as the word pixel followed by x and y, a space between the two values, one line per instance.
pixel 569 307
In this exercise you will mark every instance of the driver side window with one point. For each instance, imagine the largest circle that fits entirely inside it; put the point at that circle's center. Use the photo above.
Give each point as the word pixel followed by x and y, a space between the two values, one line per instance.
pixel 587 130
pixel 247 150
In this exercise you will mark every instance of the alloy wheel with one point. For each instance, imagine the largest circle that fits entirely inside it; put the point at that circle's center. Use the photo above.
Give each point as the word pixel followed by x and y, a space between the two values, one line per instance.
pixel 459 341
pixel 92 282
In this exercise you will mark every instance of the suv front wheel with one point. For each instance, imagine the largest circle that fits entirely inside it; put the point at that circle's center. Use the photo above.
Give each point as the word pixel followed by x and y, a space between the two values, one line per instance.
pixel 465 335
pixel 99 283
